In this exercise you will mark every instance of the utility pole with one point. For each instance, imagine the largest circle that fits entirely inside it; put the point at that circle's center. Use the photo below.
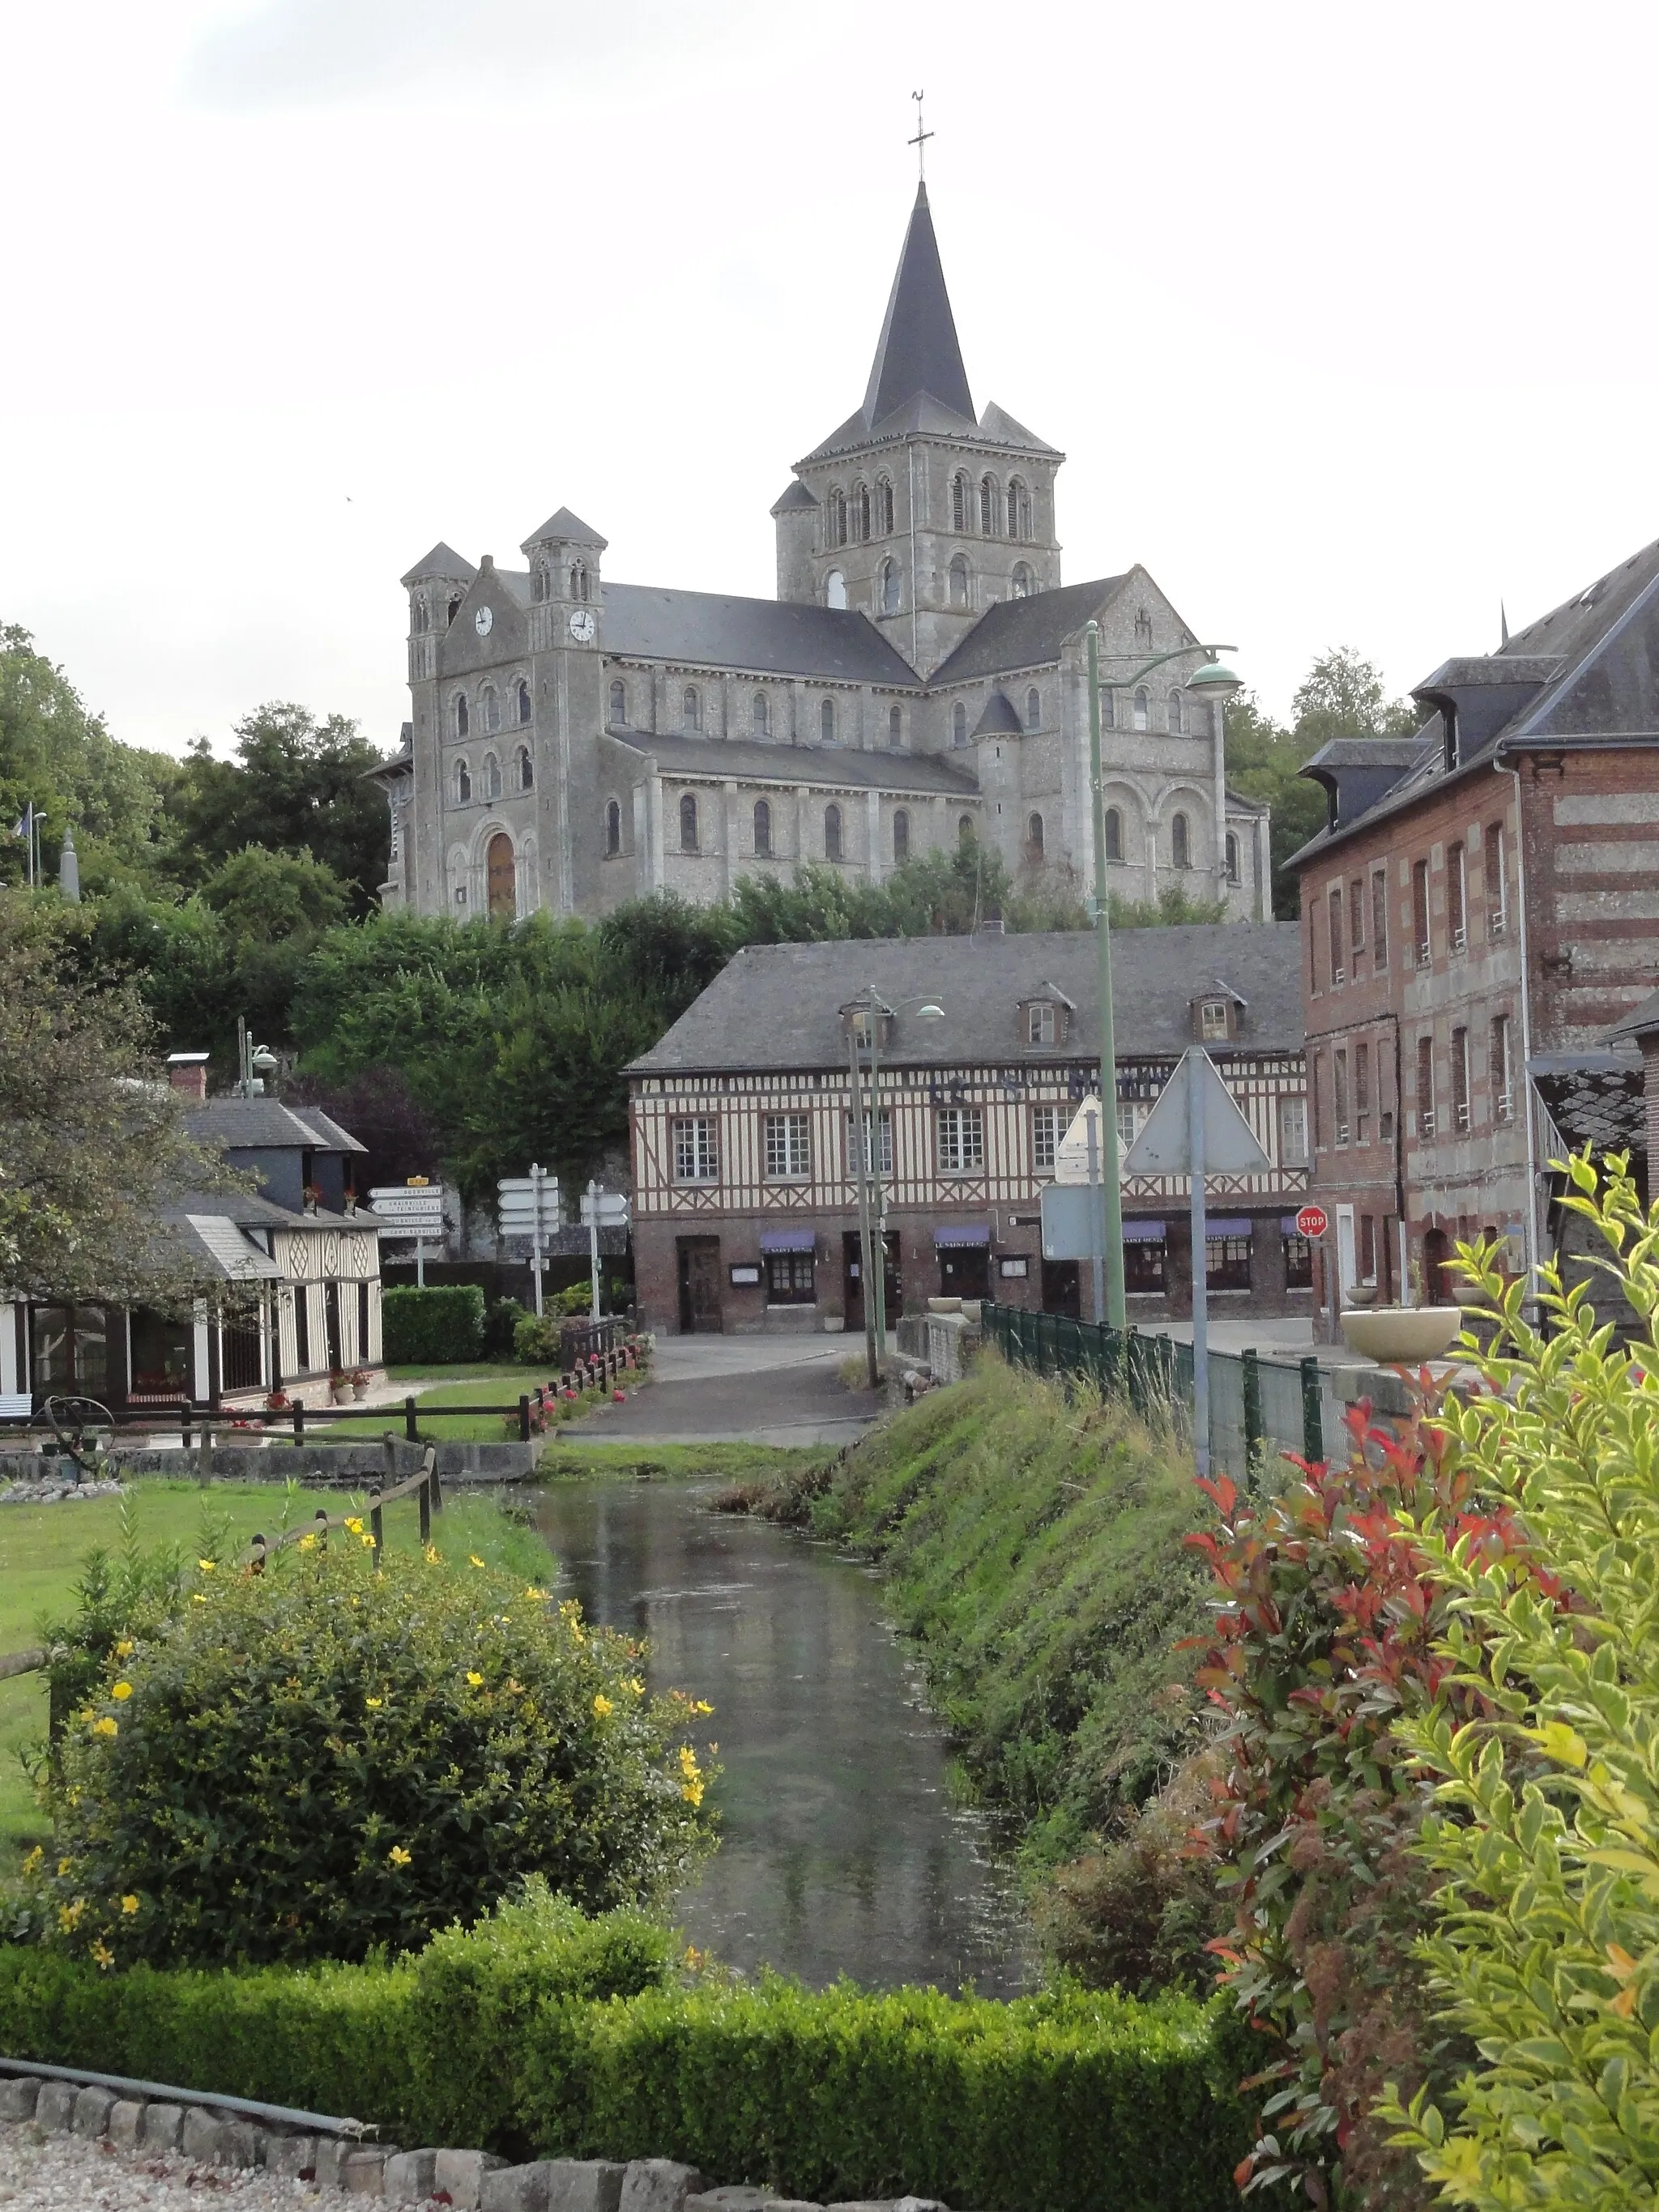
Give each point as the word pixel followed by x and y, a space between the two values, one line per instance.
pixel 862 1134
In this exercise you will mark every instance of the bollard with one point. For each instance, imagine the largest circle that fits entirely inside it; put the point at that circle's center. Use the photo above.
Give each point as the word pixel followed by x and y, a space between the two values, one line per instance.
pixel 389 1453
pixel 524 1420
pixel 1252 1440
pixel 425 1496
pixel 204 1465
pixel 1313 1432
pixel 376 1524
pixel 184 1438
pixel 409 1430
pixel 299 1421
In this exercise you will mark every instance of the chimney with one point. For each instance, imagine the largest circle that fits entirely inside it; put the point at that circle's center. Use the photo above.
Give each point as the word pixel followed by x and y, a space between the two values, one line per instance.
pixel 187 1072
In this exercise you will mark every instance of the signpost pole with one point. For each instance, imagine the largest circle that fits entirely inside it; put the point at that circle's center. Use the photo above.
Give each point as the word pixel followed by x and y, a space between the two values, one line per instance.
pixel 593 1250
pixel 1195 1069
pixel 1096 1223
pixel 420 1262
pixel 861 1126
pixel 536 1176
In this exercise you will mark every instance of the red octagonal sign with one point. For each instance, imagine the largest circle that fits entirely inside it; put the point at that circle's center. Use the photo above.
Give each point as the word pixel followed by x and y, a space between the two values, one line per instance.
pixel 1312 1221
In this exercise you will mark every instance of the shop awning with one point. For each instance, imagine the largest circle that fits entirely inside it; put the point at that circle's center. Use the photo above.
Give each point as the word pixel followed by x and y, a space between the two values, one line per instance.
pixel 1143 1232
pixel 1287 1226
pixel 788 1240
pixel 963 1233
pixel 1226 1224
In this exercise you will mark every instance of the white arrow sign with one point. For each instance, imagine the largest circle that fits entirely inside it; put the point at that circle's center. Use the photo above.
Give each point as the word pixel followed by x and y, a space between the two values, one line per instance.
pixel 414 1210
pixel 607 1209
pixel 528 1206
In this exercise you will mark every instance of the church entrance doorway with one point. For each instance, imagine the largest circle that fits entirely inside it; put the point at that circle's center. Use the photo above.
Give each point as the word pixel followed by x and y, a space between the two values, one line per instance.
pixel 503 892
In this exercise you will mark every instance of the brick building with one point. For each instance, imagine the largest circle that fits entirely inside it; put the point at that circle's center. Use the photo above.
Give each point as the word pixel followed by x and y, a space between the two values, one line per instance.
pixel 1480 907
pixel 744 1130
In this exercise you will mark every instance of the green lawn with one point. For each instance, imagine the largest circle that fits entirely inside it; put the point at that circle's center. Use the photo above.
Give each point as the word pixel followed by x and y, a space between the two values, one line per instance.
pixel 504 1387
pixel 42 1547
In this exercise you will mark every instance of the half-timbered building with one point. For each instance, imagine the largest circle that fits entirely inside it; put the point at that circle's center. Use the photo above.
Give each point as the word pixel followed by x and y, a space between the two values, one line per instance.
pixel 745 1134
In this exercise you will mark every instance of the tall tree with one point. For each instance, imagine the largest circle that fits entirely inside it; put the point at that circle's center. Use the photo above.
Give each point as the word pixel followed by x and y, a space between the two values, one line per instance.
pixel 295 786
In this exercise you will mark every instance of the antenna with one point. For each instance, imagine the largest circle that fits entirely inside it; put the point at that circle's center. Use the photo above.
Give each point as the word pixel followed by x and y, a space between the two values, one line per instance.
pixel 1504 621
pixel 919 141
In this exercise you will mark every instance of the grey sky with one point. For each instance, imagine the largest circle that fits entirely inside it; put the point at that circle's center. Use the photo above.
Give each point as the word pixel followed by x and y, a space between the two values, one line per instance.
pixel 1340 314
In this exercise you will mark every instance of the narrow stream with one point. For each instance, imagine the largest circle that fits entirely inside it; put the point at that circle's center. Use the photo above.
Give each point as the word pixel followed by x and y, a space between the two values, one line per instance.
pixel 841 1851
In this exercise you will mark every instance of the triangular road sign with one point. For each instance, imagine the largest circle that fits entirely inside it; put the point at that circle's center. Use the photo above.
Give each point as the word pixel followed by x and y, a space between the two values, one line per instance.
pixel 1071 1153
pixel 1230 1144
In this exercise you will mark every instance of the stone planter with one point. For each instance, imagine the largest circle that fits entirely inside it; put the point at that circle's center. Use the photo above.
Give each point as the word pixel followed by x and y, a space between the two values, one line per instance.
pixel 1362 1294
pixel 945 1305
pixel 1403 1336
pixel 360 1391
pixel 970 1310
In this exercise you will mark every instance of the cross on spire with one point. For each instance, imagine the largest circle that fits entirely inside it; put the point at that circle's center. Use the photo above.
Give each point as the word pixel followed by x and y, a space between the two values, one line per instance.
pixel 919 141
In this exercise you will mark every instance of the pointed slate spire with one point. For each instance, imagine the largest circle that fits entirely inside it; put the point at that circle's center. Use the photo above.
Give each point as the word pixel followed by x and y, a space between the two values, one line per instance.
pixel 918 349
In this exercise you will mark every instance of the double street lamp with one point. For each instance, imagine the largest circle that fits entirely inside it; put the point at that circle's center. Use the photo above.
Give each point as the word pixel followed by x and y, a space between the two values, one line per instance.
pixel 866 1011
pixel 1212 681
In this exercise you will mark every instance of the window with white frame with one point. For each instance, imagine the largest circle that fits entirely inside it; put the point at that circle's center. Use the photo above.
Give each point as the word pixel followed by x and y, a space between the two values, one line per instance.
pixel 1212 1019
pixel 1293 1132
pixel 788 1151
pixel 1045 1138
pixel 696 1149
pixel 1131 1120
pixel 1502 1079
pixel 961 1139
pixel 1040 1023
pixel 855 1150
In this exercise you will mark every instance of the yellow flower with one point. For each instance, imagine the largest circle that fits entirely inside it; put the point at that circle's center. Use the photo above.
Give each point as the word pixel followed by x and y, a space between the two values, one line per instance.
pixel 514 1689
pixel 367 1542
pixel 533 1592
pixel 355 1526
pixel 103 1954
pixel 63 1866
pixel 700 1707
pixel 197 1598
pixel 399 1856
pixel 206 1565
pixel 307 1543
pixel 31 1865
pixel 129 1903
pixel 692 1792
pixel 475 1560
pixel 602 1707
pixel 105 1727
pixel 374 1704
pixel 122 1691
pixel 435 1558
pixel 688 1760
pixel 69 1915
pixel 125 1647
pixel 691 1782
pixel 634 1685
pixel 475 1681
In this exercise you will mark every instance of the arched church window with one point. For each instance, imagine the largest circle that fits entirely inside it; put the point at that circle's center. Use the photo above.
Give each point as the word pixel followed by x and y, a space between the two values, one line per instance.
pixel 538 584
pixel 462 784
pixel 688 823
pixel 885 507
pixel 1107 710
pixel 524 773
pixel 958 724
pixel 460 714
pixel 896 726
pixel 523 703
pixel 838 518
pixel 418 615
pixel 619 703
pixel 959 582
pixel 1113 833
pixel 575 578
pixel 492 711
pixel 832 832
pixel 863 511
pixel 1023 580
pixel 835 590
pixel 612 830
pixel 492 776
pixel 763 830
pixel 1180 850
pixel 965 830
pixel 827 722
pixel 1034 836
pixel 693 704
pixel 1174 713
pixel 501 877
pixel 959 504
pixel 890 588
pixel 454 606
pixel 1232 858
pixel 1034 709
pixel 1019 510
pixel 586 581
pixel 1143 708
pixel 988 506
pixel 762 715
pixel 901 837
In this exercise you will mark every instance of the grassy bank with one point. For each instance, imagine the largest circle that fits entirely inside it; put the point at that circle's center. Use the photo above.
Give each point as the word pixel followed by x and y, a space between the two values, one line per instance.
pixel 43 1549
pixel 1033 1545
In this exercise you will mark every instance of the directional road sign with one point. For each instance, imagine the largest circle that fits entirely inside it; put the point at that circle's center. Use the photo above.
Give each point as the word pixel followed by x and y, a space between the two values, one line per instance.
pixel 1071 1153
pixel 417 1212
pixel 604 1209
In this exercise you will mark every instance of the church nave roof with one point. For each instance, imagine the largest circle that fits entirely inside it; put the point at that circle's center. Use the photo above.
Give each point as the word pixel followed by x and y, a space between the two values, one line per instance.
pixel 823 767
pixel 762 637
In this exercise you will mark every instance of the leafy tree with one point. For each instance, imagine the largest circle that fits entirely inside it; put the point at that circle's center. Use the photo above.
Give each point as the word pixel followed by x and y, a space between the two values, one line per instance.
pixel 92 1140
pixel 1342 695
pixel 1173 906
pixel 296 786
pixel 273 896
pixel 60 756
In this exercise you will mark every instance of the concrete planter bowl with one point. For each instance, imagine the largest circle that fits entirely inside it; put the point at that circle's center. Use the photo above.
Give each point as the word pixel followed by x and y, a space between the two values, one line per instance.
pixel 1401 1336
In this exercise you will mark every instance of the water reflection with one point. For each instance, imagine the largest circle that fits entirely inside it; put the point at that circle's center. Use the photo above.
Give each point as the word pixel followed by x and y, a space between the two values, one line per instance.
pixel 840 1849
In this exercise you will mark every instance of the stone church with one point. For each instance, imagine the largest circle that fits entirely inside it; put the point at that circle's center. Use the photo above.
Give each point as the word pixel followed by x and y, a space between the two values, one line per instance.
pixel 919 680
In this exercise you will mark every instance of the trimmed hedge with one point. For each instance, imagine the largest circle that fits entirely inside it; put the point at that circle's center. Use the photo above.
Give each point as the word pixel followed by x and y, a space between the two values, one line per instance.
pixel 432 1327
pixel 539 2033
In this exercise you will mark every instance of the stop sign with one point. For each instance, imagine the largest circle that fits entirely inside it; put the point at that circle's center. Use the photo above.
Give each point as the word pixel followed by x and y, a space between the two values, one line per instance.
pixel 1312 1221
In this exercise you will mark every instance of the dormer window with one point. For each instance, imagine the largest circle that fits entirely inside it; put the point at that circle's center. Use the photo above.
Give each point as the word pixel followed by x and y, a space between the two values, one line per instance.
pixel 1039 1025
pixel 1215 1020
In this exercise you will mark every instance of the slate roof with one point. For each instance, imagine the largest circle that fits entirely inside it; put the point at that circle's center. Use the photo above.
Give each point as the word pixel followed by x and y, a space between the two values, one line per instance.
pixel 1583 673
pixel 999 717
pixel 777 1006
pixel 767 637
pixel 794 495
pixel 819 765
pixel 918 349
pixel 1641 1020
pixel 443 561
pixel 569 528
pixel 1023 633
pixel 266 1125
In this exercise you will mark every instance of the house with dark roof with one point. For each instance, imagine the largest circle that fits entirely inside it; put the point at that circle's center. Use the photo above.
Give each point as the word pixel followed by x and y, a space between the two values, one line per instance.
pixel 919 678
pixel 294 1266
pixel 1480 909
pixel 745 1134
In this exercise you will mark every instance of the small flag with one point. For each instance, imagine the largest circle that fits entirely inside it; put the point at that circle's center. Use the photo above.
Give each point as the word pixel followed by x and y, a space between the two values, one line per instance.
pixel 25 822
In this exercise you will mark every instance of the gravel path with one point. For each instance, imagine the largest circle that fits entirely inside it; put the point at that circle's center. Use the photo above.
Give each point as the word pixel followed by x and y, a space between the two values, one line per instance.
pixel 41 2173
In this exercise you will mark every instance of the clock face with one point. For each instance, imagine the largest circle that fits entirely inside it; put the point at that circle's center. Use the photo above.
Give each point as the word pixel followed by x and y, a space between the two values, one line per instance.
pixel 582 625
pixel 484 620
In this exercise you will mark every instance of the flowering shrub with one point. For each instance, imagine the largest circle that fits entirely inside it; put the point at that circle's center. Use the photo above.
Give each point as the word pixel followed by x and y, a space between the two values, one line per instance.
pixel 322 1760
pixel 1326 1636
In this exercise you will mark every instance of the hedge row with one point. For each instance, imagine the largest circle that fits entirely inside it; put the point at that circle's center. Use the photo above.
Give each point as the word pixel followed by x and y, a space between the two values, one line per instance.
pixel 432 1327
pixel 537 2036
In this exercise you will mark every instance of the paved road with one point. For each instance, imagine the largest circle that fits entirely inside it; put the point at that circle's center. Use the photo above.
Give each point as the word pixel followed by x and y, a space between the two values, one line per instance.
pixel 742 1390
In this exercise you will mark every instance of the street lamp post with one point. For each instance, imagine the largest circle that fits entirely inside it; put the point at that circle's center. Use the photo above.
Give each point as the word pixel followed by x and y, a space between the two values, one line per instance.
pixel 872 1241
pixel 1216 682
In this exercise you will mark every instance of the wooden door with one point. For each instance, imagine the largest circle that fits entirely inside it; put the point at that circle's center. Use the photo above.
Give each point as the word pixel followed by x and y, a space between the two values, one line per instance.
pixel 503 876
pixel 964 1271
pixel 699 1287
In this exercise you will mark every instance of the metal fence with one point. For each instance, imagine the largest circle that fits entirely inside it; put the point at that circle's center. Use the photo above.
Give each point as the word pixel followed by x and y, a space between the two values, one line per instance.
pixel 1259 1409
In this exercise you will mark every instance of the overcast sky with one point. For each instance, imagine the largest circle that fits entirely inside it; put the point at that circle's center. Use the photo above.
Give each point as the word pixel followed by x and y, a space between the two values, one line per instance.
pixel 1344 315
